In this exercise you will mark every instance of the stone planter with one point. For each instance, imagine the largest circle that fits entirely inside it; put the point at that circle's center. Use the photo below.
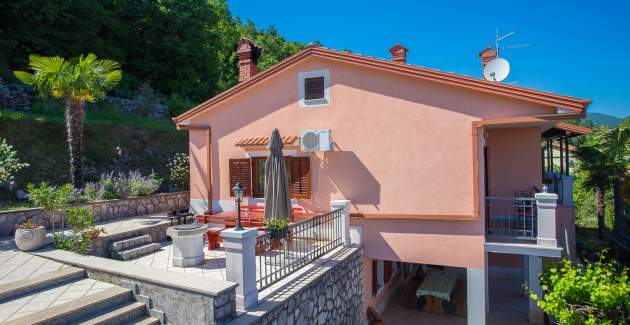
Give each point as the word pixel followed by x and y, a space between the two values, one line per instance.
pixel 30 239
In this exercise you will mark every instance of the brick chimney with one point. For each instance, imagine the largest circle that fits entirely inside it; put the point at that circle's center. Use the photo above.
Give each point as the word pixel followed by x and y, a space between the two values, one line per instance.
pixel 248 54
pixel 399 53
pixel 487 55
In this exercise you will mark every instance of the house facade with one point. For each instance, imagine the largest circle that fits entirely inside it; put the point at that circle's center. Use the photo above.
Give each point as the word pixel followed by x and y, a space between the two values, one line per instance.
pixel 421 154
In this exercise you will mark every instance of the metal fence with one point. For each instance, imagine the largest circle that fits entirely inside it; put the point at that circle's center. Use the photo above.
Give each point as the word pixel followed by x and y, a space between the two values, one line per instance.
pixel 280 254
pixel 513 217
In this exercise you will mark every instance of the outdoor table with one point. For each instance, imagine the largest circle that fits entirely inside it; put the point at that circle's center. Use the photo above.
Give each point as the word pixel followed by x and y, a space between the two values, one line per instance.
pixel 437 288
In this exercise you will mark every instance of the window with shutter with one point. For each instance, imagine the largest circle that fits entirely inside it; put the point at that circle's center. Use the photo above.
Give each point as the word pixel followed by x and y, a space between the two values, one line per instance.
pixel 314 88
pixel 240 171
pixel 300 178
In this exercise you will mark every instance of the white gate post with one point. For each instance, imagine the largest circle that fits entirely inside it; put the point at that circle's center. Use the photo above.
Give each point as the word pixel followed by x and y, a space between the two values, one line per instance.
pixel 240 264
pixel 345 221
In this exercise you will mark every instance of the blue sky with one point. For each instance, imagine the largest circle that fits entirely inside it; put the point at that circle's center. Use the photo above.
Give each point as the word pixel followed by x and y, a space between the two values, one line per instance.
pixel 578 48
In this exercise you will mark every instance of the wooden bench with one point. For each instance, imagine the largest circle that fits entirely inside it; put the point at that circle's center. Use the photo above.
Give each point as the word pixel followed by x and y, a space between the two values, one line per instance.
pixel 373 317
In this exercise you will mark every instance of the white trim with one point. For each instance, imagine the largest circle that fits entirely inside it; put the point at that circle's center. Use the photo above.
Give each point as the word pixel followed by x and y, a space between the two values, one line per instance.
pixel 312 74
pixel 523 249
pixel 286 153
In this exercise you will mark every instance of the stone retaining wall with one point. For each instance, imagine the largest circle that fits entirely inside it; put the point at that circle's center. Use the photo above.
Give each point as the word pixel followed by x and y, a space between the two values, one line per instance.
pixel 335 297
pixel 103 210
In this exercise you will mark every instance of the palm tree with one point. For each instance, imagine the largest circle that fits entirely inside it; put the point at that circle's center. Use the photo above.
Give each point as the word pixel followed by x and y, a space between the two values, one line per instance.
pixel 595 168
pixel 77 81
pixel 615 145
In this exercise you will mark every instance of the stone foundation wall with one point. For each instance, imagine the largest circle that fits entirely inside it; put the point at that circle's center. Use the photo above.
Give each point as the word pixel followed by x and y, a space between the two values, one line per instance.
pixel 180 306
pixel 333 298
pixel 103 210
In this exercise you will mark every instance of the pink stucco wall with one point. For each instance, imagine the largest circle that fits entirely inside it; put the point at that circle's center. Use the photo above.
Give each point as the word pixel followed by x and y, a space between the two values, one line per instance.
pixel 403 146
pixel 514 160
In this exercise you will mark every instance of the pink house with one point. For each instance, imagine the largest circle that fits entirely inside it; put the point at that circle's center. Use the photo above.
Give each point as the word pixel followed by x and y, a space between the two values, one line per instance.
pixel 441 169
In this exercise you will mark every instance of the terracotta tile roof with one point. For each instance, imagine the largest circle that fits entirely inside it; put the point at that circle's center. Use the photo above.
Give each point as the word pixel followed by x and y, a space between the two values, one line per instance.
pixel 521 93
pixel 263 141
pixel 573 129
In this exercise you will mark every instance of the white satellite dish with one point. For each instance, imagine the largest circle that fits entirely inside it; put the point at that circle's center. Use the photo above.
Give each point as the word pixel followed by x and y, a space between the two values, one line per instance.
pixel 496 70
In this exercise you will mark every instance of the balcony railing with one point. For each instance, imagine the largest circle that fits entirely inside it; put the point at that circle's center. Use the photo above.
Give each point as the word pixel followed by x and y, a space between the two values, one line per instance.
pixel 511 217
pixel 279 255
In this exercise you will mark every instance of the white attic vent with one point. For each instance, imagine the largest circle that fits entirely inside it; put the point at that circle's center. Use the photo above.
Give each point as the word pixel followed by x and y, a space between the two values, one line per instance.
pixel 315 140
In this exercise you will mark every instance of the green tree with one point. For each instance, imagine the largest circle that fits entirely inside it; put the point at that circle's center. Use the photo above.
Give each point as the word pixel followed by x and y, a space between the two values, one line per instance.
pixel 77 81
pixel 594 169
pixel 9 163
pixel 615 145
pixel 50 198
pixel 586 293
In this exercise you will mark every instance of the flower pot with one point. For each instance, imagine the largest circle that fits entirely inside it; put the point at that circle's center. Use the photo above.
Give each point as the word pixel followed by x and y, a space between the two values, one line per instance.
pixel 30 239
pixel 92 234
pixel 278 233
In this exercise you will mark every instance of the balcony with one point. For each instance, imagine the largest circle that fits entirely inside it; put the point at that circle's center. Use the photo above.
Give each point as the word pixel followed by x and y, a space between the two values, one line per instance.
pixel 511 218
pixel 522 225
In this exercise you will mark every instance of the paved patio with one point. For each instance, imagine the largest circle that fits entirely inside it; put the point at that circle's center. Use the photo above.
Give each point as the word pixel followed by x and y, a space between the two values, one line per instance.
pixel 507 306
pixel 213 268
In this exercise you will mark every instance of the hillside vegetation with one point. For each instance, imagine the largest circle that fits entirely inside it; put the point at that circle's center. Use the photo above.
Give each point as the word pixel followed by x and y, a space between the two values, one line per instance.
pixel 179 47
pixel 143 143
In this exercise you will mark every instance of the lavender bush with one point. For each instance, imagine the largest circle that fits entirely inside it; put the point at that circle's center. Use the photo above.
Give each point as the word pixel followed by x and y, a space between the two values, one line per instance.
pixel 120 186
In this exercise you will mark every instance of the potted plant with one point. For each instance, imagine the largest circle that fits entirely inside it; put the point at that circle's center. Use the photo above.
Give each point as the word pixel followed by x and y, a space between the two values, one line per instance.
pixel 278 228
pixel 30 236
pixel 93 232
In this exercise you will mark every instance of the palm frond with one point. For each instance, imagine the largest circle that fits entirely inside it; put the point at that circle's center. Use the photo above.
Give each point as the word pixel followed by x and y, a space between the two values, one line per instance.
pixel 24 77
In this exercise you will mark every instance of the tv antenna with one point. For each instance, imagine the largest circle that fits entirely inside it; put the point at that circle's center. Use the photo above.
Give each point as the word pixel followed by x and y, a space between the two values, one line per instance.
pixel 499 38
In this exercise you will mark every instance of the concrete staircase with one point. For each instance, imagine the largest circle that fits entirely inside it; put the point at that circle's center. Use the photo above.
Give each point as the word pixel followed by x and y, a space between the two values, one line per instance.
pixel 41 300
pixel 132 248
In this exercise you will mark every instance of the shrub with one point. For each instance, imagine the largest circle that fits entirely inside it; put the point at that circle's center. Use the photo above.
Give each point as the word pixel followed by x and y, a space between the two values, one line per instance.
pixel 177 104
pixel 142 185
pixel 50 198
pixel 9 163
pixel 121 186
pixel 81 222
pixel 179 171
pixel 586 293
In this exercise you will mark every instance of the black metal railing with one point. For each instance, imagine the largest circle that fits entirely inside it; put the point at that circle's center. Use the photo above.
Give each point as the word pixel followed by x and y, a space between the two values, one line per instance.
pixel 282 253
pixel 511 217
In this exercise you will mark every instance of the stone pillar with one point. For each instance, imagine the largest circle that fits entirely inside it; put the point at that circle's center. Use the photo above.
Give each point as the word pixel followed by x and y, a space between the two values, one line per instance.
pixel 240 264
pixel 477 295
pixel 546 211
pixel 566 184
pixel 345 221
pixel 536 315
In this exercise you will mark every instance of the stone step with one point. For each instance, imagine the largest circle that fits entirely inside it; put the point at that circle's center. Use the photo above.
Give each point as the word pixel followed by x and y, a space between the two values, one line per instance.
pixel 146 320
pixel 74 310
pixel 118 315
pixel 41 282
pixel 129 243
pixel 134 253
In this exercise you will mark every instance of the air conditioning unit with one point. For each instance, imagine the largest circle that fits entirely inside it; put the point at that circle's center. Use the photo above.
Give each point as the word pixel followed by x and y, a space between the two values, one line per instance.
pixel 315 140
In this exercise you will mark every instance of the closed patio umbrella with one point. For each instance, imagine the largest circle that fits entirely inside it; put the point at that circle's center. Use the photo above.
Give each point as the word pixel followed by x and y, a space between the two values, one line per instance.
pixel 277 199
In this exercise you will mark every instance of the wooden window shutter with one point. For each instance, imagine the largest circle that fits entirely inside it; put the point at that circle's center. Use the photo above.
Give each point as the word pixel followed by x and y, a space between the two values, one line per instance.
pixel 300 177
pixel 314 88
pixel 387 271
pixel 240 171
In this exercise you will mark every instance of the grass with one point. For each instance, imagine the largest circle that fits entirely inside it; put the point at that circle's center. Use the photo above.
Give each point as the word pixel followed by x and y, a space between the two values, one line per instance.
pixel 94 117
pixel 114 141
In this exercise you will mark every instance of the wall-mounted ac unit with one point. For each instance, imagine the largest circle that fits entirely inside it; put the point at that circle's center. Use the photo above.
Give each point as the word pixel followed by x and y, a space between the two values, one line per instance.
pixel 315 140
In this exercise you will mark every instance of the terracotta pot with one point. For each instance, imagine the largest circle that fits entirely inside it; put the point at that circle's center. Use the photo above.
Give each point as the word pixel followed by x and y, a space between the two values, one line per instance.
pixel 92 234
pixel 30 239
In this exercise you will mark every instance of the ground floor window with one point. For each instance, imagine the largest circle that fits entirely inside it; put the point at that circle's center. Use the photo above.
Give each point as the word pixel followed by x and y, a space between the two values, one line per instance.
pixel 250 172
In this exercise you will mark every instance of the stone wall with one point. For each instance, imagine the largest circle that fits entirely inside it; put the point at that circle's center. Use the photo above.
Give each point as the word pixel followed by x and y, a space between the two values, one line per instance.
pixel 103 210
pixel 180 306
pixel 335 297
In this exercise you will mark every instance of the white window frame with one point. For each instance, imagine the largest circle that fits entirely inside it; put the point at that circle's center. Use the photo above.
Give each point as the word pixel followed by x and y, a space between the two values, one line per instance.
pixel 314 74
